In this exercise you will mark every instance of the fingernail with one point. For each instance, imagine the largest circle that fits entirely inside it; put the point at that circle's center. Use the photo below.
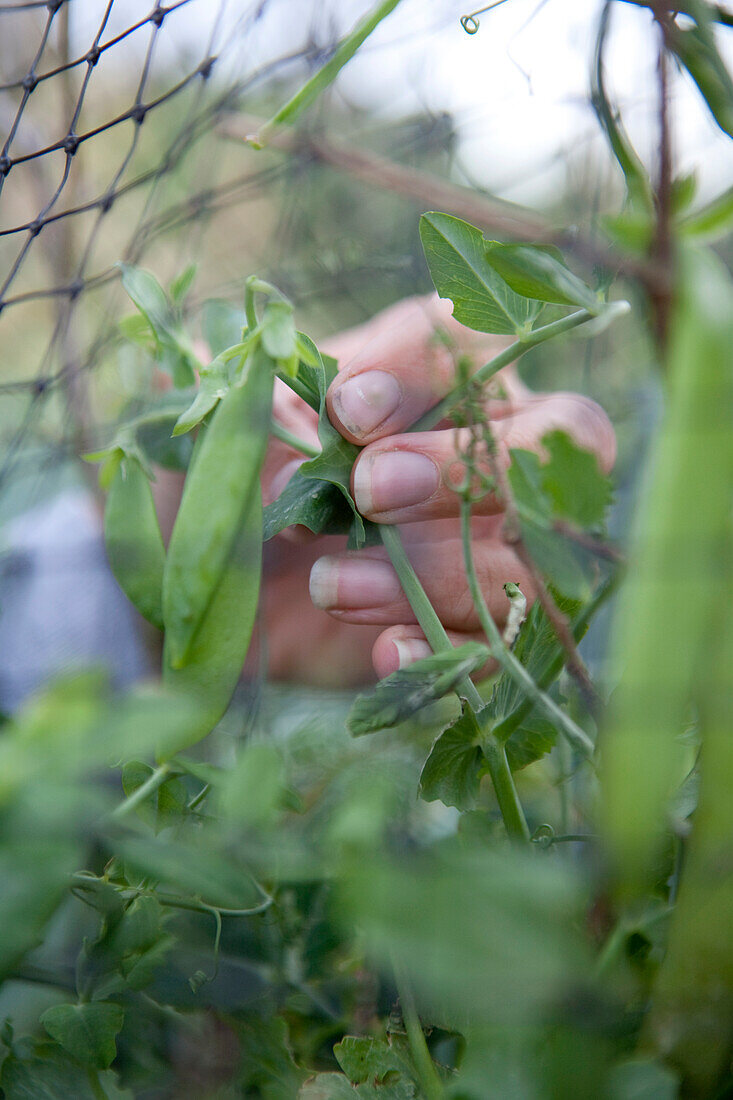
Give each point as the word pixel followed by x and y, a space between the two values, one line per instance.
pixel 362 403
pixel 392 480
pixel 410 650
pixel 352 583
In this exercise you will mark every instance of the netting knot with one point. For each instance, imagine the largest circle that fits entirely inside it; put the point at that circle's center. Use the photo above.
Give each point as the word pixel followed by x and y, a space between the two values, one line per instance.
pixel 138 112
pixel 75 289
pixel 158 16
pixel 105 204
pixel 93 56
pixel 29 82
pixel 71 144
pixel 54 5
pixel 34 228
pixel 206 66
pixel 5 165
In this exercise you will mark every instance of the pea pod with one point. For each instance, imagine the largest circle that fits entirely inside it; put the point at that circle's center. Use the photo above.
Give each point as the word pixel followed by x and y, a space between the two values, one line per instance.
pixel 219 646
pixel 678 572
pixel 133 540
pixel 218 488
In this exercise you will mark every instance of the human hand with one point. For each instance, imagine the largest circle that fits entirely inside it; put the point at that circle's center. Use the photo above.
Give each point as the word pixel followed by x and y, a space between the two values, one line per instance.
pixel 392 370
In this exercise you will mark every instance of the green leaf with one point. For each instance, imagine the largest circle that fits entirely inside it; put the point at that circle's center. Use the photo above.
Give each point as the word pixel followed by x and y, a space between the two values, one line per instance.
pixel 222 324
pixel 482 300
pixel 47 1073
pixel 255 788
pixel 278 330
pixel 376 1060
pixel 711 222
pixel 317 505
pixel 568 487
pixel 452 772
pixel 166 804
pixel 214 384
pixel 192 869
pixel 328 72
pixel 402 694
pixel 539 271
pixel 152 301
pixel 642 1079
pixel 182 283
pixel 136 328
pixel 534 738
pixel 697 50
pixel 86 1031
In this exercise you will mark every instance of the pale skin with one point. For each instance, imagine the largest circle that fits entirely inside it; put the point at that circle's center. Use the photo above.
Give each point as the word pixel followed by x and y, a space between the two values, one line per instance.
pixel 339 617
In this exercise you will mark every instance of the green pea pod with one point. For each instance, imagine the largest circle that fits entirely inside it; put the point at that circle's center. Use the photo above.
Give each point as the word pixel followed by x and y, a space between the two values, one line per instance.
pixel 218 488
pixel 680 554
pixel 219 646
pixel 133 540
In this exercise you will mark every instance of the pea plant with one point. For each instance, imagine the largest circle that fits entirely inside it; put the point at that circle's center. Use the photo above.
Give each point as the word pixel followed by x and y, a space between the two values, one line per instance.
pixel 447 887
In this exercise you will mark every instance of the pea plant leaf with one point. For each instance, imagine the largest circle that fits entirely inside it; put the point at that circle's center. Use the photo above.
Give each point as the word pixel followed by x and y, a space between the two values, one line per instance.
pixel 452 772
pixel 533 739
pixel 696 49
pixel 376 1060
pixel 482 300
pixel 86 1031
pixel 177 354
pixel 318 494
pixel 402 694
pixel 539 271
pixel 569 488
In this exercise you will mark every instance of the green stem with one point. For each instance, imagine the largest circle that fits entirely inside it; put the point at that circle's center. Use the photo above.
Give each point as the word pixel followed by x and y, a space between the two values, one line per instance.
pixel 151 784
pixel 508 725
pixel 443 409
pixel 293 441
pixel 577 737
pixel 501 777
pixel 429 1080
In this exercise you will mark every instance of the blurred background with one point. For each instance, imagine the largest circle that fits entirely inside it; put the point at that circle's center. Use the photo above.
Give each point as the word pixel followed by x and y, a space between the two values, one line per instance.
pixel 124 131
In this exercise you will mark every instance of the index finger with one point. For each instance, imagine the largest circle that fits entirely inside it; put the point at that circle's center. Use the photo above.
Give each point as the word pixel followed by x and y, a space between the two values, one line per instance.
pixel 395 368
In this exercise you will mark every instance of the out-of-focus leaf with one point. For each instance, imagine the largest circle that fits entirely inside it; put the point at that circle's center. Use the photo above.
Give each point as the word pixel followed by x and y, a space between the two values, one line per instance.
pixel 712 221
pixel 678 574
pixel 191 869
pixel 697 50
pixel 166 804
pixel 497 942
pixel 254 790
pixel 152 301
pixel 540 272
pixel 403 693
pixel 453 770
pixel 642 1079
pixel 375 1060
pixel 182 283
pixel 86 1031
pixel 568 487
pixel 222 325
pixel 47 1073
pixel 482 300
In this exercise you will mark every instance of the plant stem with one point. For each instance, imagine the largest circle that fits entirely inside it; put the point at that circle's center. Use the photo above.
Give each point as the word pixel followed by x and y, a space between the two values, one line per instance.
pixel 507 726
pixel 546 332
pixel 293 441
pixel 501 777
pixel 429 1080
pixel 151 784
pixel 509 663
